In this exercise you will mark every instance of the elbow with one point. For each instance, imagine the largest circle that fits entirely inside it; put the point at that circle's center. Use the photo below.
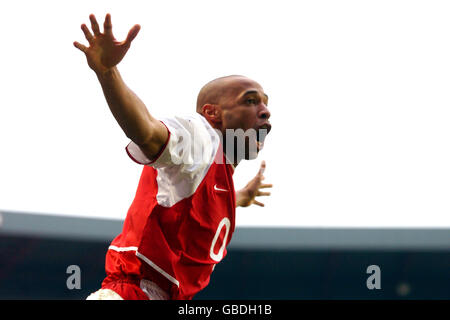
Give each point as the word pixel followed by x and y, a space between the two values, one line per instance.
pixel 152 139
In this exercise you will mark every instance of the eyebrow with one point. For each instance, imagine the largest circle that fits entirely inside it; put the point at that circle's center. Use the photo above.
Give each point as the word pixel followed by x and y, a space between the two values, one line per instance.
pixel 254 92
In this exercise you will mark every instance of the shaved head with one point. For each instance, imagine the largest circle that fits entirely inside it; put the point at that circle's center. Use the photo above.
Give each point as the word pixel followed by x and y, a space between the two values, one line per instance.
pixel 236 105
pixel 212 92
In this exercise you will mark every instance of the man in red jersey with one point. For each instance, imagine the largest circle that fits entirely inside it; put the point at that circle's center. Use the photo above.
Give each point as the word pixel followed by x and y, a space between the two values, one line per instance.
pixel 183 215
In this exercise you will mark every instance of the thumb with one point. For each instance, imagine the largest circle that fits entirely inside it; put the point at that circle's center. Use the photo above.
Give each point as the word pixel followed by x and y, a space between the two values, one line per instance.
pixel 132 34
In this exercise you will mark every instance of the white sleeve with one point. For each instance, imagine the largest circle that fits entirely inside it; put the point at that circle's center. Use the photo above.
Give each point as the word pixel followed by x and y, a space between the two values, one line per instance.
pixel 184 160
pixel 192 142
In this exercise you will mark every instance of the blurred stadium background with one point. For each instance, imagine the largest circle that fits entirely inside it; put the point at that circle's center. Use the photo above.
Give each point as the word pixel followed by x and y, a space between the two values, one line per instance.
pixel 262 263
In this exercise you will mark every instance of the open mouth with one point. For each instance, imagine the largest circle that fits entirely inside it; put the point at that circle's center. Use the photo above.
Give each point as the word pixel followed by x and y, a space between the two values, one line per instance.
pixel 261 134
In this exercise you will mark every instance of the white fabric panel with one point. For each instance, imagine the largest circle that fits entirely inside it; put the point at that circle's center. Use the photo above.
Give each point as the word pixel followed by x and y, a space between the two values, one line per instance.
pixel 186 159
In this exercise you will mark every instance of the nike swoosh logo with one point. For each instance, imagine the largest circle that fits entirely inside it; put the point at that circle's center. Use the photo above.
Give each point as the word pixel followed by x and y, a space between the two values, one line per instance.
pixel 218 189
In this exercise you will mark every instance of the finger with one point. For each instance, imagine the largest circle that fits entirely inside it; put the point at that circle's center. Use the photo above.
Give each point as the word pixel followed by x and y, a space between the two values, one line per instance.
pixel 87 33
pixel 266 186
pixel 107 25
pixel 258 203
pixel 94 25
pixel 262 168
pixel 262 194
pixel 80 46
pixel 132 34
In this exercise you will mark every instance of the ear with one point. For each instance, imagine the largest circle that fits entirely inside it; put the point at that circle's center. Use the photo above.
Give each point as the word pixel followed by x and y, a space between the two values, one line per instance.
pixel 212 113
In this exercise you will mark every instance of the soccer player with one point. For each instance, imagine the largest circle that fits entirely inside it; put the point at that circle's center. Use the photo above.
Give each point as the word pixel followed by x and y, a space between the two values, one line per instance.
pixel 183 215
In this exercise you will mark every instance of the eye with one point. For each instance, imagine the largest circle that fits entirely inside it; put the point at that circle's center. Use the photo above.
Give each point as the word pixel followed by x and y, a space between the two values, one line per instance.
pixel 251 101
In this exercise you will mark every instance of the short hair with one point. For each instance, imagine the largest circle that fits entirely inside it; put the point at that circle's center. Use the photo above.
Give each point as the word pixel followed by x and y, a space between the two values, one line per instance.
pixel 211 92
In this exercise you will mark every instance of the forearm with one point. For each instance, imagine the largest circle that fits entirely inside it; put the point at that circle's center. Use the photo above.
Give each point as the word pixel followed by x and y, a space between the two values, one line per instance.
pixel 128 110
pixel 103 54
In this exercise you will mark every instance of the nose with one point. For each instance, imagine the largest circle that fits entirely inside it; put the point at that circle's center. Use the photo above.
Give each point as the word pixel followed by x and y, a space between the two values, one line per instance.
pixel 264 112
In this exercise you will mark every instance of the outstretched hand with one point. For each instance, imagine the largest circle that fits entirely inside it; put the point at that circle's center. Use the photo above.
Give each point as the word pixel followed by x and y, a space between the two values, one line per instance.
pixel 246 196
pixel 104 51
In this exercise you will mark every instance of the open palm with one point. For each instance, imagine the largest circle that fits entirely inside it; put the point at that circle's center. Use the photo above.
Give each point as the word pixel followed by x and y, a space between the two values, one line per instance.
pixel 247 196
pixel 104 51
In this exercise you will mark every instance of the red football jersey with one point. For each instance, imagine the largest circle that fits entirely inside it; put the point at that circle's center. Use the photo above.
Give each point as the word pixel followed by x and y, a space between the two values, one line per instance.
pixel 183 215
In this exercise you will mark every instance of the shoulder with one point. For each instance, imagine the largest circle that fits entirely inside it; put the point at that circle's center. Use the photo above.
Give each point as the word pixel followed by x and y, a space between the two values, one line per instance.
pixel 190 121
pixel 194 127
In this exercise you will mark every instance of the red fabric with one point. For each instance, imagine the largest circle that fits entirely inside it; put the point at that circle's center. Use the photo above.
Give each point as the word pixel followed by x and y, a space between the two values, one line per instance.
pixel 176 239
pixel 127 289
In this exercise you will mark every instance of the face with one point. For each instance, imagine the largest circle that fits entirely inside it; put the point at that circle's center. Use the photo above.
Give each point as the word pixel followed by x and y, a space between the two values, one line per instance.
pixel 244 106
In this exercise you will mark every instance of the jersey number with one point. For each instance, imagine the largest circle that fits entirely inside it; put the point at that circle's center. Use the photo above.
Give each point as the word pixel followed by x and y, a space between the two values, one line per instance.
pixel 217 257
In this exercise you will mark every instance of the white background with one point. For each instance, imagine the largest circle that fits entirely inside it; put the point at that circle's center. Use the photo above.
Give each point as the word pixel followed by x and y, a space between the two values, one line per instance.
pixel 359 95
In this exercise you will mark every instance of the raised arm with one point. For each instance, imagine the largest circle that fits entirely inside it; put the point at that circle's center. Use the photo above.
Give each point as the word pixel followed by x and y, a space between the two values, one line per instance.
pixel 103 54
